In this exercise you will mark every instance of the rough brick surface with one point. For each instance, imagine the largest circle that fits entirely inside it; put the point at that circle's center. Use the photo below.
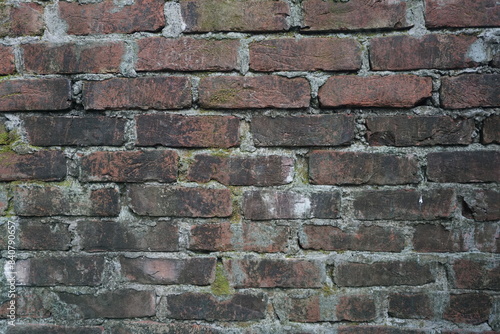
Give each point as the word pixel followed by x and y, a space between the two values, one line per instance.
pixel 211 237
pixel 43 236
pixel 21 19
pixel 467 13
pixel 491 130
pixel 7 65
pixel 377 330
pixel 437 238
pixel 42 165
pixel 37 94
pixel 470 90
pixel 470 274
pixel 482 205
pixel 53 329
pixel 469 308
pixel 410 306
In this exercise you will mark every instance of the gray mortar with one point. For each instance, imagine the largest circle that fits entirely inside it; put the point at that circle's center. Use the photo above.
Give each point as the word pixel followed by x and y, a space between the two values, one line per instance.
pixel 56 28
pixel 174 23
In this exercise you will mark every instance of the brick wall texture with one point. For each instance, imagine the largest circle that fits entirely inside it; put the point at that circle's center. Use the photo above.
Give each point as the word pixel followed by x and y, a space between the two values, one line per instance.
pixel 250 166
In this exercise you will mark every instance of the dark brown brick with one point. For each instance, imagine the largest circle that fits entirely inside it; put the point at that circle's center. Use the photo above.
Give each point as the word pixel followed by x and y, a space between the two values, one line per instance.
pixel 464 13
pixel 410 306
pixel 43 236
pixel 187 131
pixel 487 238
pixel 213 237
pixel 377 330
pixel 7 65
pixel 53 329
pixel 228 92
pixel 437 238
pixel 468 308
pixel 310 309
pixel 36 94
pixel 470 90
pixel 153 327
pixel 491 130
pixel 265 237
pixel 482 205
pixel 356 308
pixel 28 305
pixel 474 275
pixel 41 165
pixel 21 19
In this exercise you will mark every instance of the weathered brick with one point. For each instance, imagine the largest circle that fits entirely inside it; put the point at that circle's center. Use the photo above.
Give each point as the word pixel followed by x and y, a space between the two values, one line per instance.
pixel 242 170
pixel 395 91
pixel 21 19
pixel 41 165
pixel 311 309
pixel 122 303
pixel 332 167
pixel 464 13
pixel 274 204
pixel 130 166
pixel 429 51
pixel 36 94
pixel 404 204
pixel 186 54
pixel 365 238
pixel 304 130
pixel 189 131
pixel 419 130
pixel 213 237
pixel 469 308
pixel 464 166
pixel 410 306
pixel 265 237
pixel 383 274
pixel 53 329
pixel 98 236
pixel 354 15
pixel 143 93
pixel 482 205
pixel 437 238
pixel 228 92
pixel 43 236
pixel 153 327
pixel 356 308
pixel 68 58
pixel 473 274
pixel 202 306
pixel 108 17
pixel 470 90
pixel 196 271
pixel 468 332
pixel 75 270
pixel 271 273
pixel 491 130
pixel 306 54
pixel 7 65
pixel 4 200
pixel 75 131
pixel 226 15
pixel 377 330
pixel 150 200
pixel 487 238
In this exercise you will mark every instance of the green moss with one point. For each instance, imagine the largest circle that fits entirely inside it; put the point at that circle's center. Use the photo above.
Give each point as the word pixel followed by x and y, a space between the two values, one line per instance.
pixel 328 290
pixel 224 95
pixel 221 286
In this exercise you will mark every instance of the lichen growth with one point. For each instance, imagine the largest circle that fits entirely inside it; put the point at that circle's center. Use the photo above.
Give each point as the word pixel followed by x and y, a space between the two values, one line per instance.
pixel 224 95
pixel 221 286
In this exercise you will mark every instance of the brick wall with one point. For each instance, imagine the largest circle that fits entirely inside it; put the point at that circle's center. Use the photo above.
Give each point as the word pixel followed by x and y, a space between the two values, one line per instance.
pixel 260 166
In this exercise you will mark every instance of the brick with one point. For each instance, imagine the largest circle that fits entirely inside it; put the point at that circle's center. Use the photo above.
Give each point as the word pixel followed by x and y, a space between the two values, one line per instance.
pixel 482 205
pixel 129 166
pixel 470 90
pixel 265 237
pixel 142 93
pixel 7 65
pixel 226 15
pixel 190 131
pixel 468 308
pixel 43 236
pixel 377 330
pixel 186 54
pixel 99 236
pixel 475 275
pixel 27 305
pixel 202 306
pixel 272 273
pixel 4 200
pixel 75 131
pixel 354 15
pixel 439 51
pixel 53 329
pixel 419 130
pixel 311 309
pixel 306 54
pixel 36 94
pixel 410 306
pixel 383 273
pixel 464 167
pixel 487 238
pixel 121 303
pixel 468 332
pixel 228 92
pixel 356 308
pixel 41 165
pixel 70 58
pixel 150 200
pixel 33 200
pixel 21 19
pixel 242 170
pixel 153 327
pixel 194 271
pixel 304 130
pixel 277 204
pixel 395 91
pixel 437 238
pixel 491 130
pixel 365 238
pixel 465 13
pixel 404 204
pixel 51 271
pixel 212 237
pixel 109 18
pixel 332 167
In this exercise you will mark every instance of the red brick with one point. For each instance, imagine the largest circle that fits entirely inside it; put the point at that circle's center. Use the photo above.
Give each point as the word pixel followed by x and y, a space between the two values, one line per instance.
pixel 487 238
pixel 310 309
pixel 130 166
pixel 75 131
pixel 21 19
pixel 469 308
pixel 143 93
pixel 187 54
pixel 470 90
pixel 7 65
pixel 354 15
pixel 153 327
pixel 151 200
pixel 51 271
pixel 365 238
pixel 429 51
pixel 228 92
pixel 271 273
pixel 306 54
pixel 356 308
pixel 471 274
pixel 43 236
pixel 212 237
pixel 69 58
pixel 395 91
pixel 226 15
pixel 122 303
pixel 491 130
pixel 438 239
pixel 190 131
pixel 410 306
pixel 194 271
pixel 37 94
pixel 27 306
pixel 53 329
pixel 464 167
pixel 482 205
pixel 464 13
pixel 468 332
pixel 242 170
pixel 404 204
pixel 109 18
pixel 419 130
pixel 377 330
pixel 41 165
pixel 304 130
pixel 265 237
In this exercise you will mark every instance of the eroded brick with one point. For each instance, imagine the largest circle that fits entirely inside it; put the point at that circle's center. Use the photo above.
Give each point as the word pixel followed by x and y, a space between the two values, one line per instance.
pixel 438 238
pixel 41 165
pixel 22 19
pixel 464 13
pixel 36 94
pixel 470 90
